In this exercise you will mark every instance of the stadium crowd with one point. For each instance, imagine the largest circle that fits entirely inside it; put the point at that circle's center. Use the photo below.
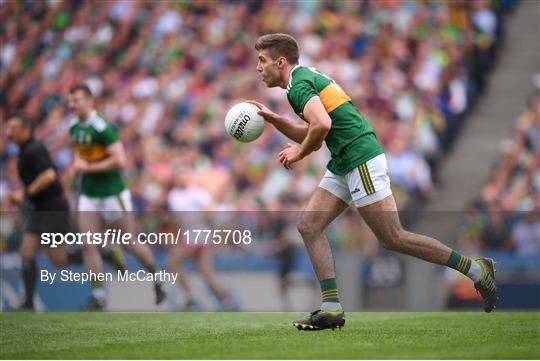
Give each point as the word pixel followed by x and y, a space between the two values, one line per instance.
pixel 165 74
pixel 506 215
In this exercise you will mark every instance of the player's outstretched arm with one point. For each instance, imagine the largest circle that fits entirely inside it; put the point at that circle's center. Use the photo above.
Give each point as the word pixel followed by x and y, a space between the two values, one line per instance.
pixel 295 132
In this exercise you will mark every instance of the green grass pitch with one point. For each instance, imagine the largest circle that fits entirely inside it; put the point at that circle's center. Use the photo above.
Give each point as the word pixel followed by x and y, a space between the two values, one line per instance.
pixel 446 335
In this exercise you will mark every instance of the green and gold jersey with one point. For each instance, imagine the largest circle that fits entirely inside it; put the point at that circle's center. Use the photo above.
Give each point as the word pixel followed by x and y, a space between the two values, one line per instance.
pixel 351 139
pixel 91 140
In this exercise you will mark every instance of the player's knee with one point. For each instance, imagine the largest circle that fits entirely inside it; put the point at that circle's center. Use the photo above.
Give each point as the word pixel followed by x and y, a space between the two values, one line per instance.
pixel 392 240
pixel 307 228
pixel 385 243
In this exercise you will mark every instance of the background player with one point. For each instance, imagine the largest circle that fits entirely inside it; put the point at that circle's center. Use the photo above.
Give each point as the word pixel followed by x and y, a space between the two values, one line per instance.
pixel 45 207
pixel 104 198
pixel 190 203
pixel 357 172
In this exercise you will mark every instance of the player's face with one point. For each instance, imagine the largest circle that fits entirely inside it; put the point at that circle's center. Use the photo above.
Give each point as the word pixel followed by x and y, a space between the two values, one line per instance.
pixel 268 69
pixel 15 131
pixel 79 103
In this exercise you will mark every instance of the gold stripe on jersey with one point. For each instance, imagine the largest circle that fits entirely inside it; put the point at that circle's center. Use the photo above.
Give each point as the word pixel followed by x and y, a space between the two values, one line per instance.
pixel 91 152
pixel 332 97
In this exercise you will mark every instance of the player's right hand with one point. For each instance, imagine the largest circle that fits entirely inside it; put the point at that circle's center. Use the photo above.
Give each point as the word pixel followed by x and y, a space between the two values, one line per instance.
pixel 17 197
pixel 79 165
pixel 264 112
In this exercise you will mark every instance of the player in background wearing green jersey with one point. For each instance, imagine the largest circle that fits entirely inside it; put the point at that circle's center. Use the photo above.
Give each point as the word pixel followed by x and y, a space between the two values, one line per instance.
pixel 104 199
pixel 357 172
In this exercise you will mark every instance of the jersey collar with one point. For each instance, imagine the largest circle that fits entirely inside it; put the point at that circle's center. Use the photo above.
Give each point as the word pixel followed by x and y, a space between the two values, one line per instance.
pixel 89 120
pixel 290 76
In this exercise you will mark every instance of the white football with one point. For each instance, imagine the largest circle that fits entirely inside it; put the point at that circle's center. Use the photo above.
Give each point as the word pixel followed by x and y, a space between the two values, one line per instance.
pixel 243 123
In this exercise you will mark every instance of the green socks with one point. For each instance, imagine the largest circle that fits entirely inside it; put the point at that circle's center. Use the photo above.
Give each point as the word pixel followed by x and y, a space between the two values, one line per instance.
pixel 329 290
pixel 459 262
pixel 467 266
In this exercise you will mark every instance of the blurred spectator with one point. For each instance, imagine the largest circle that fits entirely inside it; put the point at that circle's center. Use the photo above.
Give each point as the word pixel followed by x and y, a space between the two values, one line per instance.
pixel 505 216
pixel 408 169
pixel 526 235
pixel 187 196
pixel 495 234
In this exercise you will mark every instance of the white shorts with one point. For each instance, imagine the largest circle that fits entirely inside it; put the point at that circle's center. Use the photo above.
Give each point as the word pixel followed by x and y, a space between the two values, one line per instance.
pixel 110 208
pixel 367 184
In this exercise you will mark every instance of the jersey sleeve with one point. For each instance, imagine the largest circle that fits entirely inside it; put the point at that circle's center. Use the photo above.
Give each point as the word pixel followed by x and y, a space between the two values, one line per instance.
pixel 300 93
pixel 109 135
pixel 39 158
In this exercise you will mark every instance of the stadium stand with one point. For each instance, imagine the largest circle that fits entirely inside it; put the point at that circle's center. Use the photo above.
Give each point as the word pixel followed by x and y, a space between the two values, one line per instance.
pixel 503 216
pixel 503 222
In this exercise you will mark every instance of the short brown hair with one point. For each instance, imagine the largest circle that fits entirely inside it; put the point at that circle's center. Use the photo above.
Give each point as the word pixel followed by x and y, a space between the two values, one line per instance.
pixel 81 87
pixel 279 45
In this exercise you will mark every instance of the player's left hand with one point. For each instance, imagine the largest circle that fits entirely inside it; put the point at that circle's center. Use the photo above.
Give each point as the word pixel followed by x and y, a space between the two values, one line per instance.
pixel 290 155
pixel 80 165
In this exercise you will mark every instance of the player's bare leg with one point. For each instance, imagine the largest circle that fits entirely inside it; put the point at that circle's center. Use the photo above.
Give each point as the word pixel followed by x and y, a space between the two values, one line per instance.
pixel 91 221
pixel 383 219
pixel 60 256
pixel 175 260
pixel 206 269
pixel 141 251
pixel 145 255
pixel 321 210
